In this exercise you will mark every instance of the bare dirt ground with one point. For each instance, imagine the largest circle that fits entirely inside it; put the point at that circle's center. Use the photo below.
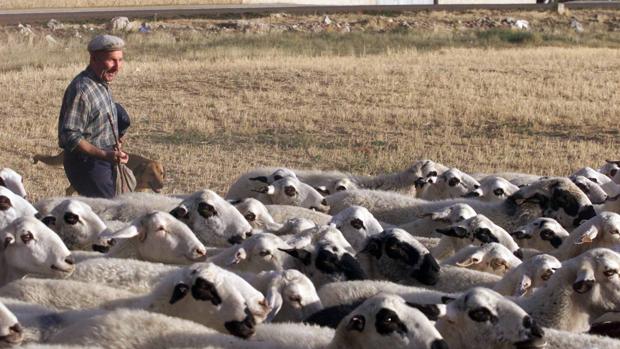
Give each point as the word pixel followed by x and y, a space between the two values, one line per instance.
pixel 212 98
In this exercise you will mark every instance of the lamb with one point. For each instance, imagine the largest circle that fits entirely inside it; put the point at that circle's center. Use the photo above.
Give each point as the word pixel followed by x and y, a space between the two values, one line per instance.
pixel 417 175
pixel 452 183
pixel 492 258
pixel 493 189
pixel 13 181
pixel 356 224
pixel 62 294
pixel 290 294
pixel 602 230
pixel 476 230
pixel 426 224
pixel 381 321
pixel 583 289
pixel 396 256
pixel 214 220
pixel 77 225
pixel 157 237
pixel 291 191
pixel 484 316
pixel 593 190
pixel 13 206
pixel 257 214
pixel 557 198
pixel 528 276
pixel 219 299
pixel 541 234
pixel 31 248
pixel 260 252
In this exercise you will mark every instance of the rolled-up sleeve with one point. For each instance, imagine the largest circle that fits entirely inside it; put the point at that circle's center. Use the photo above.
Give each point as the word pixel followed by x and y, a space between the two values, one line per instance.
pixel 73 119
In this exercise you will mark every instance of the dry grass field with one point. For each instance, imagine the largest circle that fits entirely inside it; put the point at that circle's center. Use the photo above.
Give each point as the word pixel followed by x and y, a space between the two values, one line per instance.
pixel 27 4
pixel 213 106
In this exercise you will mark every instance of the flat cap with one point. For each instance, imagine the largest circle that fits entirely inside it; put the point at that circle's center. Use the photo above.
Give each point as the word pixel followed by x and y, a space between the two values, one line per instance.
pixel 106 43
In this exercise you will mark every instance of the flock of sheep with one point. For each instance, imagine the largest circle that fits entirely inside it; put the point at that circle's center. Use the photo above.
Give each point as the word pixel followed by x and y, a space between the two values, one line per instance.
pixel 430 257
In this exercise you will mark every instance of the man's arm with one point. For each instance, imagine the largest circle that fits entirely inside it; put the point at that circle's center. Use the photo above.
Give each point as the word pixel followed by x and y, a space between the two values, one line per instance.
pixel 108 155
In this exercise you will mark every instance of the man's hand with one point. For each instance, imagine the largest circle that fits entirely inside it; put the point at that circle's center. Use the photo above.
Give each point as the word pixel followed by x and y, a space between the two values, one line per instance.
pixel 116 156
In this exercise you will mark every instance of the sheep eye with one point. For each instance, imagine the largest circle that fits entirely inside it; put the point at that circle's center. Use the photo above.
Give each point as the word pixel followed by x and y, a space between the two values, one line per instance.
pixel 432 174
pixel 610 272
pixel 277 177
pixel 341 188
pixel 71 218
pixel 546 234
pixel 461 218
pixel 480 315
pixel 476 186
pixel 27 237
pixel 498 192
pixel 264 253
pixel 290 190
pixel 594 180
pixel 453 181
pixel 357 223
pixel 251 217
pixel 615 231
pixel 206 210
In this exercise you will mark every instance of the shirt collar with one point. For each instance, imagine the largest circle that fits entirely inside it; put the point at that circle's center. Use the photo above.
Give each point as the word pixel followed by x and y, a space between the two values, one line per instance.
pixel 91 74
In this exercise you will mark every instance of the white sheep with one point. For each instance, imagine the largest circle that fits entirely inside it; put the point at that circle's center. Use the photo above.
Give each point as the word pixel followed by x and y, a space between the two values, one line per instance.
pixel 476 230
pixel 484 316
pixel 383 321
pixel 593 190
pixel 494 189
pixel 492 258
pixel 612 170
pixel 293 192
pixel 127 274
pixel 356 224
pixel 583 289
pixel 528 276
pixel 290 294
pixel 206 294
pixel 156 237
pixel 62 294
pixel 557 198
pixel 13 206
pixel 428 222
pixel 257 214
pixel 77 225
pixel 541 234
pixel 603 230
pixel 606 183
pixel 31 248
pixel 260 252
pixel 397 256
pixel 417 175
pixel 11 331
pixel 214 220
pixel 452 183
pixel 13 181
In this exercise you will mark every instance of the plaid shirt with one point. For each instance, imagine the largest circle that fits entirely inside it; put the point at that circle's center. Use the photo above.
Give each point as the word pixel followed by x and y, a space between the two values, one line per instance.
pixel 84 113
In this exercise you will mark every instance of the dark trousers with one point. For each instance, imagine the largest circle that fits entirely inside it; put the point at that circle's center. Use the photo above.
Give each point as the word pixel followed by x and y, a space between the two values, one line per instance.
pixel 91 177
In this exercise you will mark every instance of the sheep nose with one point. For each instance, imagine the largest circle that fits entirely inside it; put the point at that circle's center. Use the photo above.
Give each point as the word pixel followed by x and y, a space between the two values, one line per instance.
pixel 69 260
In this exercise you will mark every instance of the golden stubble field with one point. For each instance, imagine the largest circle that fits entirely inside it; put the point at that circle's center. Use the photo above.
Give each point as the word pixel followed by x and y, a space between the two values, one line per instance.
pixel 27 4
pixel 213 112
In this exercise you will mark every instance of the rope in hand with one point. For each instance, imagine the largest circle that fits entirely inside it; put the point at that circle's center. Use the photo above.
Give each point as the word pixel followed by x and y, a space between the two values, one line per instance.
pixel 117 147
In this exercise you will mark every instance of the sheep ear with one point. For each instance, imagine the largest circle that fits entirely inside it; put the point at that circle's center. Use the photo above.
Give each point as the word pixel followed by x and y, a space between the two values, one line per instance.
pixel 49 221
pixel 300 254
pixel 439 216
pixel 180 291
pixel 471 260
pixel 322 190
pixel 262 179
pixel 584 281
pixel 239 256
pixel 130 231
pixel 524 285
pixel 274 300
pixel 588 236
pixel 431 311
pixel 180 212
pixel 268 189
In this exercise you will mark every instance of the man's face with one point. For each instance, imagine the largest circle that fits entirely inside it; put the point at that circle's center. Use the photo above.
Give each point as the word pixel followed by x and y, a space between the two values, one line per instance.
pixel 106 64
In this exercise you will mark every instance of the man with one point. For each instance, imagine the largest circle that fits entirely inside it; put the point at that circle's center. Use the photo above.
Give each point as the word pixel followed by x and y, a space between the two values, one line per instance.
pixel 88 122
